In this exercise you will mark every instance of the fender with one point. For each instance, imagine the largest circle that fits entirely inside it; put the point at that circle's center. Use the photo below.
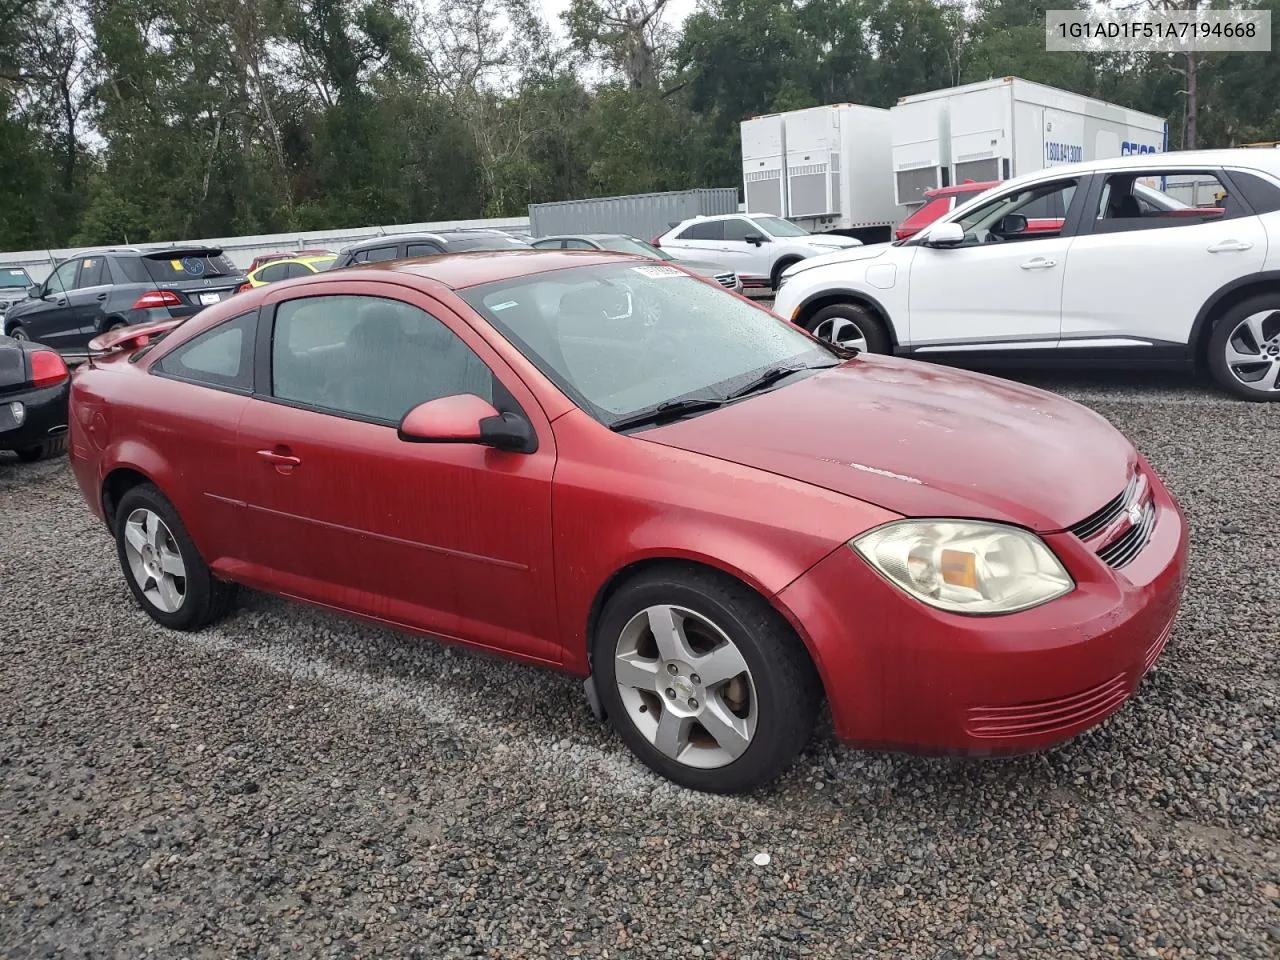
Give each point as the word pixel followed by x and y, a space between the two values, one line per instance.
pixel 830 293
pixel 1230 291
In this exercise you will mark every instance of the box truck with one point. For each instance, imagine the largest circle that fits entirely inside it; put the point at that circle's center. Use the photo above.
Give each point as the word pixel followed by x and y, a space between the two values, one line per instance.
pixel 1005 127
pixel 826 169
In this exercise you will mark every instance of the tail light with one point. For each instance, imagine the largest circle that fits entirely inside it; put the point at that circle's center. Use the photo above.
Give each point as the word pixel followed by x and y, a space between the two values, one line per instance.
pixel 47 369
pixel 157 298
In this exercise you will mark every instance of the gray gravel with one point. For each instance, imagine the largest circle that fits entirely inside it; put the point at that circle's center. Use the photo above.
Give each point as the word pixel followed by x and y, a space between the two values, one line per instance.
pixel 292 783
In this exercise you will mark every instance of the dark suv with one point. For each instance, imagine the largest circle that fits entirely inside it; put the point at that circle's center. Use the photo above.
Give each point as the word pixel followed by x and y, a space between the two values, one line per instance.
pixel 94 292
pixel 408 245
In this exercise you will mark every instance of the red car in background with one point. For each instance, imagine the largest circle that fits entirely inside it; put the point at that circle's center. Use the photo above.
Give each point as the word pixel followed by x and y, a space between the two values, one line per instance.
pixel 608 466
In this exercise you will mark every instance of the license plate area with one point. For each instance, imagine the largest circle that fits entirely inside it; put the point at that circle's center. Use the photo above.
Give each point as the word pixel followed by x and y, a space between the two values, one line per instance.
pixel 207 299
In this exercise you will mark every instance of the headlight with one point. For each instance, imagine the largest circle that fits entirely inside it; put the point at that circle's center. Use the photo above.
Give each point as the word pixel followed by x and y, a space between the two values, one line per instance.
pixel 965 566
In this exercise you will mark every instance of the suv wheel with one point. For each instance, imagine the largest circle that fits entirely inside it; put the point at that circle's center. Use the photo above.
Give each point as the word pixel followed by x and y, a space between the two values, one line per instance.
pixel 18 333
pixel 850 325
pixel 1244 349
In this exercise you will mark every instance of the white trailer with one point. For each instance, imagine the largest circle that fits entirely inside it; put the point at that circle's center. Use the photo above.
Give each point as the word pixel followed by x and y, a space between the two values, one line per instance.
pixel 1006 127
pixel 826 169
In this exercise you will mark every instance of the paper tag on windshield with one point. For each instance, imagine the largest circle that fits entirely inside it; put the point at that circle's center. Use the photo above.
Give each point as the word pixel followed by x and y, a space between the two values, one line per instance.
pixel 658 272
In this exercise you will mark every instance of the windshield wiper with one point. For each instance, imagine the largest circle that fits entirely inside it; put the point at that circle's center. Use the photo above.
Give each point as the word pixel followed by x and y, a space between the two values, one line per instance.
pixel 670 410
pixel 772 376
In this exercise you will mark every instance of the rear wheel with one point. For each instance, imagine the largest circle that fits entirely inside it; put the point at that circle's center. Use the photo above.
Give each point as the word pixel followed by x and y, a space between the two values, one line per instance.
pixel 850 325
pixel 705 682
pixel 18 332
pixel 166 574
pixel 42 451
pixel 776 276
pixel 1244 349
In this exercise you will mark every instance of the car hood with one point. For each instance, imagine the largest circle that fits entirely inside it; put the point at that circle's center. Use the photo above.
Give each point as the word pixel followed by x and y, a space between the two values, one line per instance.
pixel 832 240
pixel 849 255
pixel 923 440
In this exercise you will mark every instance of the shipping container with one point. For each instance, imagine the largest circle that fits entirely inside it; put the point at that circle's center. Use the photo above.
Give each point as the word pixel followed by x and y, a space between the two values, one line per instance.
pixel 1006 127
pixel 826 169
pixel 640 215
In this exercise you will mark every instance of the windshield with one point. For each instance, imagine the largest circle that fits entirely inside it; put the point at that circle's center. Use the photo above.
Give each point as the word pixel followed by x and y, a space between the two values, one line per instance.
pixel 184 265
pixel 632 245
pixel 324 263
pixel 624 338
pixel 485 242
pixel 14 277
pixel 777 227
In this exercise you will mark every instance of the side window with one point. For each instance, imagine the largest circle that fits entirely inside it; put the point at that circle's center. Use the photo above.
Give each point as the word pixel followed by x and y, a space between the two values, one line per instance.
pixel 1036 212
pixel 1262 195
pixel 422 250
pixel 294 270
pixel 737 230
pixel 63 280
pixel 547 244
pixel 274 272
pixel 578 245
pixel 220 357
pixel 369 357
pixel 1154 200
pixel 128 270
pixel 378 254
pixel 93 273
pixel 705 230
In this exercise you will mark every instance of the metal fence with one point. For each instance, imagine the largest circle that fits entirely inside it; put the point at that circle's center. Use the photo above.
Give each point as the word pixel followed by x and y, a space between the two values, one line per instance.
pixel 643 215
pixel 241 250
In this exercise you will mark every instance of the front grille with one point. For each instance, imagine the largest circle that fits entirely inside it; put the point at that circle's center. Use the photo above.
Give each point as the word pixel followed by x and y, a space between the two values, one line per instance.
pixel 1130 543
pixel 729 280
pixel 1115 547
pixel 1095 523
pixel 1044 717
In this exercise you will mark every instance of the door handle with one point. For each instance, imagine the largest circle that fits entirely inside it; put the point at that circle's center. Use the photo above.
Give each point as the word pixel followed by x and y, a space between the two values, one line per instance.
pixel 283 462
pixel 102 296
pixel 1229 246
pixel 1039 263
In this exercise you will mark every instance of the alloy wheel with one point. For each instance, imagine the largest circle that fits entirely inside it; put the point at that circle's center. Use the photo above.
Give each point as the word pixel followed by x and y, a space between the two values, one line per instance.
pixel 155 562
pixel 843 332
pixel 686 686
pixel 1252 352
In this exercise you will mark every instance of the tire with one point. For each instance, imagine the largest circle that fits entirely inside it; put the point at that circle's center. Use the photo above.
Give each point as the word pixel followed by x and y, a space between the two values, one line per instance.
pixel 18 332
pixel 202 598
pixel 850 324
pixel 778 267
pixel 771 707
pixel 43 451
pixel 1250 327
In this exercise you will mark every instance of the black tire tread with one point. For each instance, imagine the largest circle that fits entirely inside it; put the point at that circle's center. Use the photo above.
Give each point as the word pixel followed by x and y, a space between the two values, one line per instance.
pixel 778 267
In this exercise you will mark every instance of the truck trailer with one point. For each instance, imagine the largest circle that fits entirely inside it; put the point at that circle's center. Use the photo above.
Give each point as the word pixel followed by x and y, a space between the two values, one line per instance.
pixel 824 168
pixel 1002 128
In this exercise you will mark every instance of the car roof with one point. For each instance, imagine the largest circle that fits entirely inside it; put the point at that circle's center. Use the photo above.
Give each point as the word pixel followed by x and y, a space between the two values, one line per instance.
pixel 461 270
pixel 392 238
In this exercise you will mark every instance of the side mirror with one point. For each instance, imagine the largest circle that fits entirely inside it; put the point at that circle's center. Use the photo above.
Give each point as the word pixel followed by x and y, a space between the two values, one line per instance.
pixel 945 235
pixel 35 291
pixel 465 418
pixel 1012 224
pixel 755 238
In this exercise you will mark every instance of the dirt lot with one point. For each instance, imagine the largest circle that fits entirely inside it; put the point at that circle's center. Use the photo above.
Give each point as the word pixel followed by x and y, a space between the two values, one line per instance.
pixel 291 783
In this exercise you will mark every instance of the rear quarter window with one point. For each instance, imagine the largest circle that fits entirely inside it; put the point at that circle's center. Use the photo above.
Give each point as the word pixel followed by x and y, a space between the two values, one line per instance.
pixel 220 357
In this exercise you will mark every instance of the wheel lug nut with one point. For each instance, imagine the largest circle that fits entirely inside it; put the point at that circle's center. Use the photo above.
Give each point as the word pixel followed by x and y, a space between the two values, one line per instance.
pixel 696 679
pixel 672 669
pixel 693 704
pixel 671 694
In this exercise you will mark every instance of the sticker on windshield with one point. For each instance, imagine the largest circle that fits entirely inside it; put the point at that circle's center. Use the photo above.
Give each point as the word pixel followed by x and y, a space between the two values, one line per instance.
pixel 194 266
pixel 658 272
pixel 504 306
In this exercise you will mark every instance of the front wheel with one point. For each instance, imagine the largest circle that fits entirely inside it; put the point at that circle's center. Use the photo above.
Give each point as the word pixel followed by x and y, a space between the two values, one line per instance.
pixel 166 573
pixel 850 325
pixel 1244 349
pixel 18 332
pixel 705 682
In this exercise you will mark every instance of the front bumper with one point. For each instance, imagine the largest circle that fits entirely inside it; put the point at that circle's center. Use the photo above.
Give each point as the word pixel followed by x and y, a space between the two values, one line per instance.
pixel 900 674
pixel 44 416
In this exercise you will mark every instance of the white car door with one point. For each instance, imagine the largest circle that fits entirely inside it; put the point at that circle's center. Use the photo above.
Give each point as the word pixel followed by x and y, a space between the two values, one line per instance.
pixel 1001 288
pixel 699 240
pixel 750 259
pixel 1139 272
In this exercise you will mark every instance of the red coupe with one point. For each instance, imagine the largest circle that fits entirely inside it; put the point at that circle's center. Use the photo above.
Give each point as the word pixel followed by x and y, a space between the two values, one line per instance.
pixel 609 466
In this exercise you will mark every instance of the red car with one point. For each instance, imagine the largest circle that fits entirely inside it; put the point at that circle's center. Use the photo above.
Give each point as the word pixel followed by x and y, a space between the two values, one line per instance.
pixel 942 200
pixel 605 465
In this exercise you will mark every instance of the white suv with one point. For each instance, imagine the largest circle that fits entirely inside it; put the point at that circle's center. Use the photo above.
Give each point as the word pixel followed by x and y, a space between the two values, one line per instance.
pixel 757 247
pixel 1167 258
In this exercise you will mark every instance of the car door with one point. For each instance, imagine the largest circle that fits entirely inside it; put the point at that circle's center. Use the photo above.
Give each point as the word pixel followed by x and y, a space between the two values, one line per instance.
pixel 700 240
pixel 449 539
pixel 1140 272
pixel 51 320
pixel 89 298
pixel 748 259
pixel 1001 288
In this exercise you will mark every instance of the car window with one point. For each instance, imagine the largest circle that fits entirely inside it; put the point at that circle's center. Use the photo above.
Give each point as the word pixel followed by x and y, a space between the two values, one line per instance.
pixel 623 337
pixel 548 244
pixel 369 357
pixel 377 254
pixel 1151 200
pixel 11 277
pixel 219 357
pixel 578 245
pixel 777 227
pixel 163 268
pixel 737 230
pixel 423 250
pixel 63 279
pixel 129 270
pixel 93 273
pixel 295 270
pixel 1262 195
pixel 703 230
pixel 633 245
pixel 1044 206
pixel 485 241
pixel 273 272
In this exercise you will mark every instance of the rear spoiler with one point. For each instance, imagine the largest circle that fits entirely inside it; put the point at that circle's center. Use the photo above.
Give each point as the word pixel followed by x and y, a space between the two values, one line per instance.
pixel 130 338
pixel 177 253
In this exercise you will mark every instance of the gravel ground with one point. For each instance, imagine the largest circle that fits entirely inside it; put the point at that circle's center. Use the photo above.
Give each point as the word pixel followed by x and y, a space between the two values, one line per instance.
pixel 291 783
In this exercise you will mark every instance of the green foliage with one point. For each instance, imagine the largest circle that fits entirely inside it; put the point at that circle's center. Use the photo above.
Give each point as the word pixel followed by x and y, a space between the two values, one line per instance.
pixel 148 120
